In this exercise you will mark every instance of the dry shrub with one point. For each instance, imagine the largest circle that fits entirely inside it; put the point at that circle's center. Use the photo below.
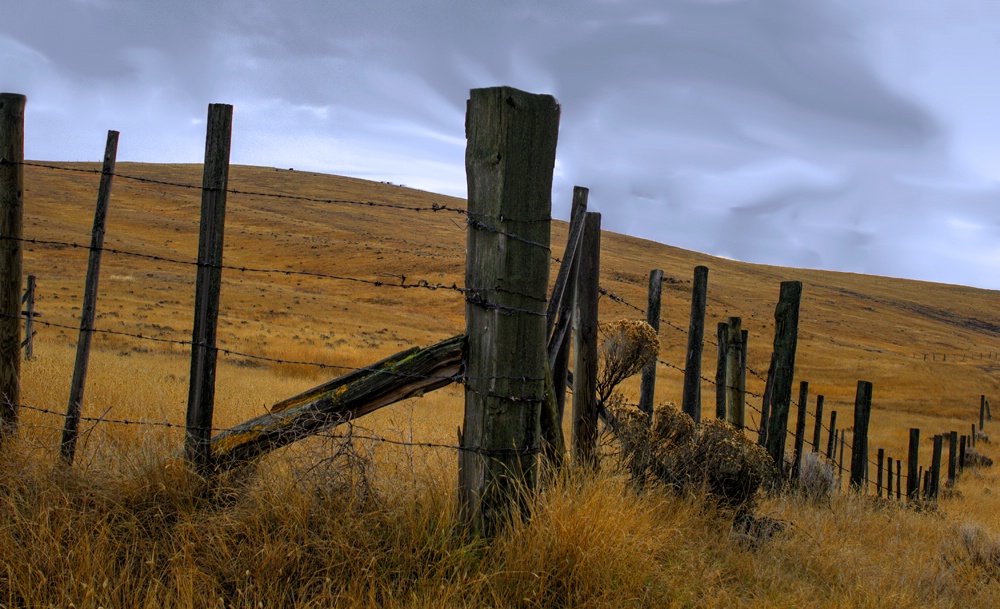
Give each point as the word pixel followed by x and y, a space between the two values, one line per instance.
pixel 714 456
pixel 817 478
pixel 626 347
pixel 974 458
pixel 972 548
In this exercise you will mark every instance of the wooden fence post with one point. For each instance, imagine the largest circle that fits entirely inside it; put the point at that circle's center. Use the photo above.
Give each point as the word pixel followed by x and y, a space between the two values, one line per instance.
pixel 800 429
pixel 936 466
pixel 878 477
pixel 735 361
pixel 11 253
pixel 509 159
pixel 647 388
pixel 559 316
pixel 29 319
pixel 833 435
pixel 899 479
pixel 722 342
pixel 888 486
pixel 201 393
pixel 765 402
pixel 691 400
pixel 72 424
pixel 585 413
pixel 952 458
pixel 912 465
pixel 982 412
pixel 859 448
pixel 973 435
pixel 962 448
pixel 840 460
pixel 818 426
pixel 786 327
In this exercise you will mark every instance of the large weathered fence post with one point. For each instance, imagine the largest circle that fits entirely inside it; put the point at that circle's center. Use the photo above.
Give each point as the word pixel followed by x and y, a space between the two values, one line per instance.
pixel 72 425
pixel 913 466
pixel 786 329
pixel 11 252
pixel 585 353
pixel 208 283
pixel 800 429
pixel 691 400
pixel 647 388
pixel 510 155
pixel 859 448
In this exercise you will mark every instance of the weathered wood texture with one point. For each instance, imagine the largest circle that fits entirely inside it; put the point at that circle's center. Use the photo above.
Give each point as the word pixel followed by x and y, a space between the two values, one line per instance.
pixel 786 328
pixel 510 155
pixel 818 424
pixel 735 362
pixel 407 374
pixel 647 387
pixel 72 424
pixel 11 254
pixel 859 448
pixel 585 406
pixel 691 399
pixel 912 465
pixel 800 429
pixel 208 283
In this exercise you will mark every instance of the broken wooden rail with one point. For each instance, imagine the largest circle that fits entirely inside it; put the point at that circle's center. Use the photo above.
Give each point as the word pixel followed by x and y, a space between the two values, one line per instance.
pixel 404 375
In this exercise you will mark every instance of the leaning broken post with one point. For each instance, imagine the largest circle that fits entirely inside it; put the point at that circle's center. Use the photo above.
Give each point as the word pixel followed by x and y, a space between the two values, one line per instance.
pixel 647 388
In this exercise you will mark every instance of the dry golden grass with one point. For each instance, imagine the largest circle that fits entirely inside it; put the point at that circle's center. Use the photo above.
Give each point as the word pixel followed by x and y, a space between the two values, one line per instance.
pixel 376 526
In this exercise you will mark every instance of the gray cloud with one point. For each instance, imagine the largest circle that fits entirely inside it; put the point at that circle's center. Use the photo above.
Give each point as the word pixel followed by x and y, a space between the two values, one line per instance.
pixel 775 131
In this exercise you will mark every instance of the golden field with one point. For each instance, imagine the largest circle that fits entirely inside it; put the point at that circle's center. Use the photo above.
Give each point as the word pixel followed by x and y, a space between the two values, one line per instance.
pixel 376 527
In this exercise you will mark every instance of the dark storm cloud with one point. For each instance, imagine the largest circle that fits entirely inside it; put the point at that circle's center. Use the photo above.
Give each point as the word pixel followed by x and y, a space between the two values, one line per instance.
pixel 764 130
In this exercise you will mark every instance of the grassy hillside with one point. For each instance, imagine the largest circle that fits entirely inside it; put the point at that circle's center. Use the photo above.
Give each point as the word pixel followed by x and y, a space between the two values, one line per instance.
pixel 384 532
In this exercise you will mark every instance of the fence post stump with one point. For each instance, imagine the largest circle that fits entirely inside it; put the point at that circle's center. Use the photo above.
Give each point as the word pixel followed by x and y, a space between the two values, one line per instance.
pixel 585 406
pixel 800 429
pixel 691 400
pixel 722 342
pixel 201 392
pixel 786 326
pixel 936 466
pixel 859 448
pixel 735 361
pixel 71 427
pixel 912 465
pixel 818 426
pixel 11 253
pixel 509 159
pixel 647 388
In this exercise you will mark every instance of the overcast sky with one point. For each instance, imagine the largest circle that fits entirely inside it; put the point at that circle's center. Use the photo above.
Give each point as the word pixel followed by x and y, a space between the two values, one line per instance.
pixel 851 135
